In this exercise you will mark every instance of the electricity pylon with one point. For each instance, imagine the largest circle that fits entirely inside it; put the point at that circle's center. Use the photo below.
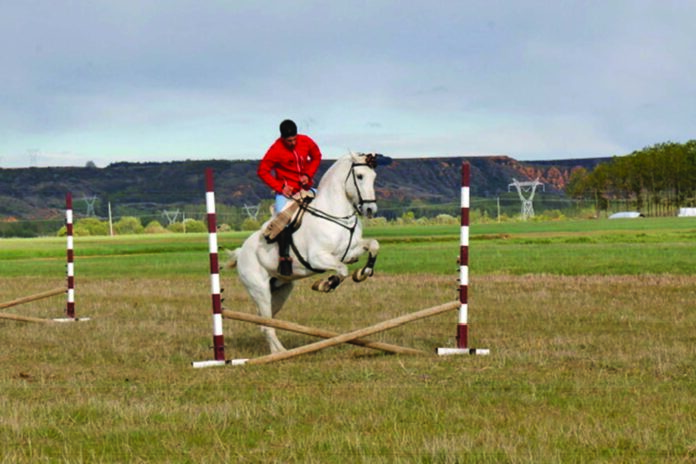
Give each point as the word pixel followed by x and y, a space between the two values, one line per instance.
pixel 526 187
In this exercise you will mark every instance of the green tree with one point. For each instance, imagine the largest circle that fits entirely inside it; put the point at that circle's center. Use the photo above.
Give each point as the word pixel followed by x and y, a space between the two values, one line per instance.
pixel 128 225
pixel 579 184
pixel 93 225
pixel 176 227
pixel 194 226
pixel 657 179
pixel 154 227
pixel 250 224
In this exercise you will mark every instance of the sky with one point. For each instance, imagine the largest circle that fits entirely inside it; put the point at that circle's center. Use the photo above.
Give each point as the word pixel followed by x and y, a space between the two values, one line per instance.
pixel 93 81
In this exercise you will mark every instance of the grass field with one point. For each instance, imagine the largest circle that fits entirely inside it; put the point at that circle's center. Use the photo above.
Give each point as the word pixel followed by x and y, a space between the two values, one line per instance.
pixel 591 327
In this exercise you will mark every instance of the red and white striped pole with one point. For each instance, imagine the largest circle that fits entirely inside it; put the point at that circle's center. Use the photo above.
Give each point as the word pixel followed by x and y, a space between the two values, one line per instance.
pixel 215 290
pixel 70 269
pixel 463 324
pixel 70 308
pixel 218 337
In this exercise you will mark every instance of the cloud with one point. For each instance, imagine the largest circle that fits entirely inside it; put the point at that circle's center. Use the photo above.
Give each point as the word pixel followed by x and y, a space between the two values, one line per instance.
pixel 109 81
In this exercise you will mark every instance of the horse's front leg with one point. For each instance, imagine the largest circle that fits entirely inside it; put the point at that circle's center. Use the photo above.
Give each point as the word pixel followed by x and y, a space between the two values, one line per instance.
pixel 368 270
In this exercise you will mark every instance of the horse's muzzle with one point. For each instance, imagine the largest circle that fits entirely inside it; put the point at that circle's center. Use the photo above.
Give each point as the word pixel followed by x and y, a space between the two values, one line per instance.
pixel 368 209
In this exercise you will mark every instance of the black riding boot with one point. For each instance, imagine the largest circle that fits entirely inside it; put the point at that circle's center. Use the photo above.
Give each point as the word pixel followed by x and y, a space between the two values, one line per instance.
pixel 285 261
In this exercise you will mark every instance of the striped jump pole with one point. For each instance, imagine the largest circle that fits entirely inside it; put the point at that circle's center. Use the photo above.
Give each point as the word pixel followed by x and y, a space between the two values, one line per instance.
pixel 463 324
pixel 218 337
pixel 70 269
pixel 70 307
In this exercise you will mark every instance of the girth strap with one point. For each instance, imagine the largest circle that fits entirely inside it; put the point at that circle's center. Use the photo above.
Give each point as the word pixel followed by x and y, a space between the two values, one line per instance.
pixel 302 260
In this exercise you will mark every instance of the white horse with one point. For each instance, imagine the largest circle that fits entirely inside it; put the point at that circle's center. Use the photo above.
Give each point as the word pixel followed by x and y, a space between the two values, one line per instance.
pixel 330 236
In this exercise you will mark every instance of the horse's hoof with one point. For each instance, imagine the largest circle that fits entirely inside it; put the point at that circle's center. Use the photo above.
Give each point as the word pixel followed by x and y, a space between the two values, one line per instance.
pixel 327 285
pixel 360 275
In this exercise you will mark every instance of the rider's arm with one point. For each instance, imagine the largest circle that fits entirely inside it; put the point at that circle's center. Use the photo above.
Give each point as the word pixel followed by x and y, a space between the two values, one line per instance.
pixel 267 165
pixel 314 158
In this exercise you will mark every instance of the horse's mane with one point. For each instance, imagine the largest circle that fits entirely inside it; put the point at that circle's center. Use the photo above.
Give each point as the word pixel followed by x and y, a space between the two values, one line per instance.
pixel 335 167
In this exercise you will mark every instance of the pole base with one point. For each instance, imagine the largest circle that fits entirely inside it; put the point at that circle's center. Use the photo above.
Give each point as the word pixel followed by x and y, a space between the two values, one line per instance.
pixel 215 363
pixel 457 351
pixel 71 319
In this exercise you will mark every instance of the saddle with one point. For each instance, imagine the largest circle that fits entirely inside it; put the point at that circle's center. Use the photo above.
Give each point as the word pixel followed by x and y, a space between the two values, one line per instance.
pixel 281 228
pixel 290 217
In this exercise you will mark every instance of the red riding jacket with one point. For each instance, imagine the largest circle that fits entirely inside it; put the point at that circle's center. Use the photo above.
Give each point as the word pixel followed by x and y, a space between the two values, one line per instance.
pixel 288 165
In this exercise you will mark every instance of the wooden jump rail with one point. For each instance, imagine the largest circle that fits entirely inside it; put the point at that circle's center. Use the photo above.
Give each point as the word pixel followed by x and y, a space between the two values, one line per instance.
pixel 321 333
pixel 15 317
pixel 351 336
pixel 28 299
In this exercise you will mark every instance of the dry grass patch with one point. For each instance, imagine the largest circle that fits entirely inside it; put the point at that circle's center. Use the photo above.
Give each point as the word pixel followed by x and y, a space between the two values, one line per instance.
pixel 582 369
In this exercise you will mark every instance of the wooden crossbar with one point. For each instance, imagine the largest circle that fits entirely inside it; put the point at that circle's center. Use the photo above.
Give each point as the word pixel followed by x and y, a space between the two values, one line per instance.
pixel 298 328
pixel 27 299
pixel 356 334
pixel 15 317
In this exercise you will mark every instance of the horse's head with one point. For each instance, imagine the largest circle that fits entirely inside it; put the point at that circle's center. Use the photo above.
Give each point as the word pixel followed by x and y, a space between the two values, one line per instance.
pixel 360 182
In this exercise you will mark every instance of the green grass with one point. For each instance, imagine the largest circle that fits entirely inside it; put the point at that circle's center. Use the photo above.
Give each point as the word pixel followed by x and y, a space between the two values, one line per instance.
pixel 591 331
pixel 625 247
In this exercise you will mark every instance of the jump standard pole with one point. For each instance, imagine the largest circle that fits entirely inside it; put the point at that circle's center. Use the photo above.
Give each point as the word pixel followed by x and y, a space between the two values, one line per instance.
pixel 463 323
pixel 215 291
pixel 70 266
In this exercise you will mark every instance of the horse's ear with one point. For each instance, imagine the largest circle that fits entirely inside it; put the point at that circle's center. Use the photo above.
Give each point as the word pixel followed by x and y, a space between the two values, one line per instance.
pixel 371 160
pixel 375 159
pixel 383 160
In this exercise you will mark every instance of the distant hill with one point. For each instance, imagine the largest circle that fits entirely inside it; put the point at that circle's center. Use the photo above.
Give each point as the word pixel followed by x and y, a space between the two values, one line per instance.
pixel 39 193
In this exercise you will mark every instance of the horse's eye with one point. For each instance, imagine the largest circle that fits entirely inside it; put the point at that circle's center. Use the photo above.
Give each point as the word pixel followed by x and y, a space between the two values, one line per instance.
pixel 359 176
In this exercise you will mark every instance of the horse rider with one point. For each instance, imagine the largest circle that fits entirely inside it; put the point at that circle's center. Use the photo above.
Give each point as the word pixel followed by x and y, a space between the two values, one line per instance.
pixel 288 167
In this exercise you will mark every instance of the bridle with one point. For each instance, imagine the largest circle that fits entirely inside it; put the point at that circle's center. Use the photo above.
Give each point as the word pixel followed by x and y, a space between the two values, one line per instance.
pixel 371 162
pixel 344 222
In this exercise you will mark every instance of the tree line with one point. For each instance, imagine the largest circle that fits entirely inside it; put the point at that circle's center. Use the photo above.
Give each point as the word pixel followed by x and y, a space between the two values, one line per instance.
pixel 656 180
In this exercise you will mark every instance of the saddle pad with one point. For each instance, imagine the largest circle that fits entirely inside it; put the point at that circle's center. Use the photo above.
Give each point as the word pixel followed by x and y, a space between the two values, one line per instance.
pixel 281 220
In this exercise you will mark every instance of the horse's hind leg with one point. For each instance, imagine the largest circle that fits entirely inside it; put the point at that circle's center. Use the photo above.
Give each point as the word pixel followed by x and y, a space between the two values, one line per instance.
pixel 280 291
pixel 260 291
pixel 270 333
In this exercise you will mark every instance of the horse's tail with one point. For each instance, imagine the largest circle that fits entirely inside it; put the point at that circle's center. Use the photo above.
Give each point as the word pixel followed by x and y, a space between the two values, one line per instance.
pixel 232 256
